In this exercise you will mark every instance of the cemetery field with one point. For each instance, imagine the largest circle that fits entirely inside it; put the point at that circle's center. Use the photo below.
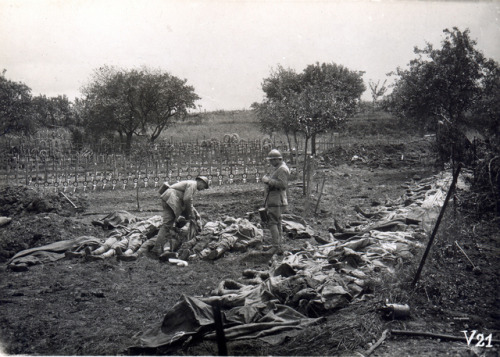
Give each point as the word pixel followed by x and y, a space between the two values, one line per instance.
pixel 225 146
pixel 77 307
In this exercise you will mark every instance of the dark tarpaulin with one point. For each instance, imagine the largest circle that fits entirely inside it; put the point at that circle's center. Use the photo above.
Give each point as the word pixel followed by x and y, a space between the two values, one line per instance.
pixel 257 315
pixel 51 252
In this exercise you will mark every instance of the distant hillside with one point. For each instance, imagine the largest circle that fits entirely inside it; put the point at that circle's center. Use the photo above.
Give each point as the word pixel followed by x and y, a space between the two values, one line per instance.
pixel 214 125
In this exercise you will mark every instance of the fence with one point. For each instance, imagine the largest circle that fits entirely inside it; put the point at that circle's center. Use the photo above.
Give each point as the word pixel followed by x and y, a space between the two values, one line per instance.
pixel 53 162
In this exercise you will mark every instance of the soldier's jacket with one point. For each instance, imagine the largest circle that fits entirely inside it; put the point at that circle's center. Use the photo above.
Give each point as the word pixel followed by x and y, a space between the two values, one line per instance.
pixel 277 187
pixel 179 197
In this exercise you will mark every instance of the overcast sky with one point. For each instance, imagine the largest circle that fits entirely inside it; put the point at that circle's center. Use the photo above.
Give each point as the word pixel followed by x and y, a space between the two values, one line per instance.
pixel 225 48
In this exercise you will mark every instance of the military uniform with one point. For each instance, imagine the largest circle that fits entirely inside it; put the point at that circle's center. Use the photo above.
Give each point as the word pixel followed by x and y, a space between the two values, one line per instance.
pixel 276 189
pixel 276 198
pixel 177 200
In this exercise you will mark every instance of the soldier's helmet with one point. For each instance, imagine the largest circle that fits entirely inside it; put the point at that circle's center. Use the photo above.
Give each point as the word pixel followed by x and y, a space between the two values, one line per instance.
pixel 274 154
pixel 204 179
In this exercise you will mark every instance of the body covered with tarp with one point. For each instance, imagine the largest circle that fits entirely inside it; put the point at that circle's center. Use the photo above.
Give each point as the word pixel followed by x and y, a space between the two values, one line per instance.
pixel 248 312
pixel 300 288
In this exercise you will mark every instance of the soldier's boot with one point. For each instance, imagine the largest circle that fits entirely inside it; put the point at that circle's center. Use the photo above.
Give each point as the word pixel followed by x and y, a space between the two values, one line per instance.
pixel 165 256
pixel 127 258
pixel 216 253
pixel 120 256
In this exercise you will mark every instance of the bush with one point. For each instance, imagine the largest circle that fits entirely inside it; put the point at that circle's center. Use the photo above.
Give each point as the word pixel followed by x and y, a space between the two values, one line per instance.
pixel 485 182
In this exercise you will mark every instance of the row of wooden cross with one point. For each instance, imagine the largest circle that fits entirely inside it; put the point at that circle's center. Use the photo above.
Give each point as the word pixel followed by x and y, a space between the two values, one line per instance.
pixel 95 183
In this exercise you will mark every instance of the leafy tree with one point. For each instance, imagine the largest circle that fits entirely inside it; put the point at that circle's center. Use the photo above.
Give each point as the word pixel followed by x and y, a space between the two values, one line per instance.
pixel 449 90
pixel 136 102
pixel 330 95
pixel 486 113
pixel 319 99
pixel 53 112
pixel 101 107
pixel 163 98
pixel 487 108
pixel 15 107
pixel 276 112
pixel 441 86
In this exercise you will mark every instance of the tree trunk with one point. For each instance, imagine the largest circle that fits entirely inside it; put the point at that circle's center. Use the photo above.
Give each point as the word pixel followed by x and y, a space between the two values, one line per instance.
pixel 290 147
pixel 120 140
pixel 441 157
pixel 313 144
pixel 305 167
pixel 128 143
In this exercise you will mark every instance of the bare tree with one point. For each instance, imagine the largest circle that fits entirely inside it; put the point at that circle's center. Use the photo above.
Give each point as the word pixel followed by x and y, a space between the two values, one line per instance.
pixel 376 91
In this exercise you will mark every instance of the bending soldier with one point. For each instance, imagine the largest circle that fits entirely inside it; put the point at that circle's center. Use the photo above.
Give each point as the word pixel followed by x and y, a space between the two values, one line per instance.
pixel 177 200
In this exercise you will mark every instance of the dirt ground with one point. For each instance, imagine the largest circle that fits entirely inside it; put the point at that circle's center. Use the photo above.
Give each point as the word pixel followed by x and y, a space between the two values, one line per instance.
pixel 78 307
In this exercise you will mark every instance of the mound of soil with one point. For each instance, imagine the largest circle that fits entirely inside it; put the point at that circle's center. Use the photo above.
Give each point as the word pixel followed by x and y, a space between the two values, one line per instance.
pixel 381 155
pixel 38 219
pixel 22 200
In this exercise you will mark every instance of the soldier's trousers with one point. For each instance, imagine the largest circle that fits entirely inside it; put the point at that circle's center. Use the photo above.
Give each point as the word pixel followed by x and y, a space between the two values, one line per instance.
pixel 166 231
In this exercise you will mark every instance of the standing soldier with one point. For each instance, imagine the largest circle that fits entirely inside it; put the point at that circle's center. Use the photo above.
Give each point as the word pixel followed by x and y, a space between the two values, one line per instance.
pixel 276 187
pixel 177 200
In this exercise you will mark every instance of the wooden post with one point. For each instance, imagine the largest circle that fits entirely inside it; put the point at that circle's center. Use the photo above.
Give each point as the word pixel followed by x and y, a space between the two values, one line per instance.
pixel 8 172
pixel 36 167
pixel 16 171
pixel 434 232
pixel 219 329
pixel 319 196
pixel 77 165
pixel 26 168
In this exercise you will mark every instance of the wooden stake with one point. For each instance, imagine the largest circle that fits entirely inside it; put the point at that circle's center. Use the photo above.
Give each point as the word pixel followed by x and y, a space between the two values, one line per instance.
pixel 66 197
pixel 319 196
pixel 441 213
pixel 470 261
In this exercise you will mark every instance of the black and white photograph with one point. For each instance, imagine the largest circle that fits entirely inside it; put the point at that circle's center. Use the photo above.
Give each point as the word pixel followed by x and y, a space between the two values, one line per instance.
pixel 249 178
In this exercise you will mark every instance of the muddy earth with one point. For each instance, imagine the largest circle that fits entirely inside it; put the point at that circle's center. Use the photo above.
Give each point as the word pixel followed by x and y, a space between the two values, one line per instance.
pixel 78 307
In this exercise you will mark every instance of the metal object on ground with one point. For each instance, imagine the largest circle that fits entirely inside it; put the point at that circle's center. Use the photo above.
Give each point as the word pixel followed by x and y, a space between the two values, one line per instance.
pixel 396 311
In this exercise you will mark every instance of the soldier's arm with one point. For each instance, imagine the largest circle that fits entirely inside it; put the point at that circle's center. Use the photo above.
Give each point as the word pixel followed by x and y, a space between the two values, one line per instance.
pixel 279 180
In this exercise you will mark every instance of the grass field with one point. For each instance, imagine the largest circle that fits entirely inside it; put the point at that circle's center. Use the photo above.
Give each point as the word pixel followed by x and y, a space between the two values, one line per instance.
pixel 214 125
